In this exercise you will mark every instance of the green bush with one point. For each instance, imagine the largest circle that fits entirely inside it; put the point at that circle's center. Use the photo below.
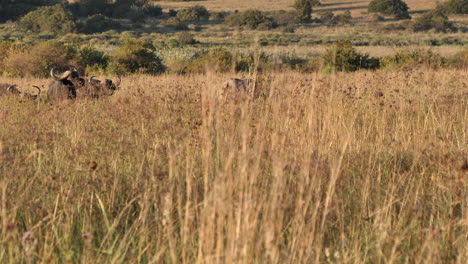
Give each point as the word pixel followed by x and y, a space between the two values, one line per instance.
pixel 303 11
pixel 195 13
pixel 175 23
pixel 98 23
pixel 251 19
pixel 92 59
pixel 220 60
pixel 291 61
pixel 342 19
pixel 454 6
pixel 342 56
pixel 136 56
pixel 217 16
pixel 55 19
pixel 396 8
pixel 434 19
pixel 250 62
pixel 411 58
pixel 185 38
pixel 152 10
pixel 326 17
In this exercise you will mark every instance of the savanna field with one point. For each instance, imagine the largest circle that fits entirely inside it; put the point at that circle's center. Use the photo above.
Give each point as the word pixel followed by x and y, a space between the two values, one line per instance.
pixel 344 168
pixel 348 142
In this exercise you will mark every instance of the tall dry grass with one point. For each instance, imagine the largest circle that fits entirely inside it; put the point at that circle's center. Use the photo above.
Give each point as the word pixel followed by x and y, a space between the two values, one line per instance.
pixel 343 168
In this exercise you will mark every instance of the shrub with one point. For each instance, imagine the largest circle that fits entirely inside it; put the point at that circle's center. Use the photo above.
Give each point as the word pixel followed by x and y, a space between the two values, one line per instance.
pixel 49 19
pixel 454 6
pixel 172 13
pixel 303 11
pixel 220 60
pixel 411 58
pixel 175 23
pixel 88 7
pixel 397 8
pixel 98 23
pixel 92 59
pixel 195 13
pixel 342 19
pixel 378 18
pixel 136 56
pixel 250 19
pixel 152 10
pixel 288 29
pixel 342 56
pixel 185 38
pixel 434 19
pixel 326 17
pixel 291 60
pixel 37 60
pixel 217 16
pixel 283 17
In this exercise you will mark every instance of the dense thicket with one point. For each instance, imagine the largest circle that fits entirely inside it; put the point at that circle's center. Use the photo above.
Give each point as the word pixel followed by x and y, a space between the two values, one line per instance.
pixel 13 9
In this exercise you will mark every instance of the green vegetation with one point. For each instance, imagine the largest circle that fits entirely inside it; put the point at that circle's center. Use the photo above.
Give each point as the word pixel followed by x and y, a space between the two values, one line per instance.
pixel 346 143
pixel 397 8
pixel 136 56
pixel 195 13
pixel 434 19
pixel 303 11
pixel 343 57
pixel 251 19
pixel 98 23
pixel 12 10
pixel 454 6
pixel 53 19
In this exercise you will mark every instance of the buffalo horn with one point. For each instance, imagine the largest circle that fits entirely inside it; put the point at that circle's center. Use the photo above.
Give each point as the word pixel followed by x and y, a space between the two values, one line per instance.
pixel 39 90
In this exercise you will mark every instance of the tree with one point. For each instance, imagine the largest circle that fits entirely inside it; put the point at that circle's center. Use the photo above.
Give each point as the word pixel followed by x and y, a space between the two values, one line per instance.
pixel 303 11
pixel 396 8
pixel 54 19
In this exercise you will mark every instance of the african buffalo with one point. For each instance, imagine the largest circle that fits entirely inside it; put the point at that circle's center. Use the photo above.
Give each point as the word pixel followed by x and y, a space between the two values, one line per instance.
pixel 237 86
pixel 96 88
pixel 12 89
pixel 65 86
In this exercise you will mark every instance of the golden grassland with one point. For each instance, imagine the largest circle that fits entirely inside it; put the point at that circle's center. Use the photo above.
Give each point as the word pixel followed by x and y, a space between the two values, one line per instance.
pixel 367 167
pixel 355 6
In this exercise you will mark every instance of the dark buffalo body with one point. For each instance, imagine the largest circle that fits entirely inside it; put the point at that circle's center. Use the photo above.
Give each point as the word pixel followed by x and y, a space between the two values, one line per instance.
pixel 96 88
pixel 65 86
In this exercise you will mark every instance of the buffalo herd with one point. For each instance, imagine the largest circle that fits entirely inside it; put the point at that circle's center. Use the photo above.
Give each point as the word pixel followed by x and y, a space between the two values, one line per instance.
pixel 70 85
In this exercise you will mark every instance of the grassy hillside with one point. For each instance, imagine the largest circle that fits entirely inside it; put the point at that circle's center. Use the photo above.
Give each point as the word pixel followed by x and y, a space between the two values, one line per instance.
pixel 355 6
